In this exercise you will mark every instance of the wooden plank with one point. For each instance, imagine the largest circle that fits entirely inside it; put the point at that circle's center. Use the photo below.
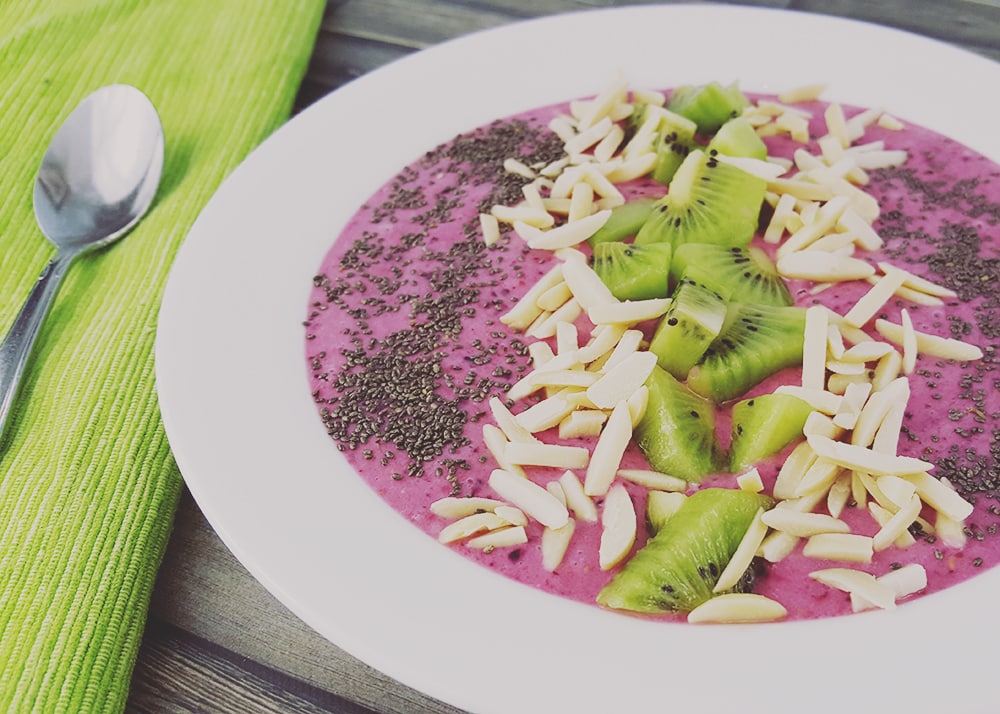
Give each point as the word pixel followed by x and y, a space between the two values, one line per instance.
pixel 203 590
pixel 972 25
pixel 174 667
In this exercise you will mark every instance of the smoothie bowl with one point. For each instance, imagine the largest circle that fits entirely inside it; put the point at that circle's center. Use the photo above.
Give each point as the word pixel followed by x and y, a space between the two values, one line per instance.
pixel 262 459
pixel 541 339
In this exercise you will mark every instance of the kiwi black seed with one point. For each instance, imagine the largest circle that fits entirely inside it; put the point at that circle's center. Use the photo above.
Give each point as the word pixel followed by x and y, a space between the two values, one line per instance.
pixel 634 272
pixel 744 275
pixel 677 431
pixel 685 331
pixel 706 202
pixel 763 426
pixel 677 569
pixel 755 342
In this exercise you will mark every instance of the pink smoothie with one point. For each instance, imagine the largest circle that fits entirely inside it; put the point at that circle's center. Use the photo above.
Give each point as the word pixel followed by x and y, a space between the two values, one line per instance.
pixel 404 346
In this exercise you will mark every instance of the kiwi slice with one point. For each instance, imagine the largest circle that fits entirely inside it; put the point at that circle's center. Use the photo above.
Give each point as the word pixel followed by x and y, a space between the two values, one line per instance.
pixel 634 272
pixel 685 331
pixel 677 431
pixel 675 142
pixel 708 105
pixel 755 342
pixel 624 222
pixel 737 137
pixel 707 202
pixel 679 566
pixel 763 426
pixel 739 274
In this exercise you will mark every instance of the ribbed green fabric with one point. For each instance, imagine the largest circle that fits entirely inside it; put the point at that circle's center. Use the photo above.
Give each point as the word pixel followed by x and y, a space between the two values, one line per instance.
pixel 88 487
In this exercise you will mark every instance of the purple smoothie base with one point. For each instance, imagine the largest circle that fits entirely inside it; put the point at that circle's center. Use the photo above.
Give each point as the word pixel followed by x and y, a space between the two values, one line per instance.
pixel 934 160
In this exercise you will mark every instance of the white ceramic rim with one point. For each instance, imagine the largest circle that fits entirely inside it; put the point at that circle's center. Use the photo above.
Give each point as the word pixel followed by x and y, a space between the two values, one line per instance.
pixel 235 400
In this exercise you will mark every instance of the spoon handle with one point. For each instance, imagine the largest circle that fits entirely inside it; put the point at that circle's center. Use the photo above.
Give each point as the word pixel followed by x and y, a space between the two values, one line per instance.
pixel 16 346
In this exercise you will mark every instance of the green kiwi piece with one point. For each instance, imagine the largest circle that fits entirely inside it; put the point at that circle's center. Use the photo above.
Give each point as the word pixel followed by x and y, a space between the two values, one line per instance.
pixel 755 342
pixel 685 331
pixel 738 274
pixel 624 222
pixel 737 137
pixel 676 570
pixel 708 105
pixel 675 142
pixel 677 431
pixel 634 272
pixel 707 202
pixel 763 426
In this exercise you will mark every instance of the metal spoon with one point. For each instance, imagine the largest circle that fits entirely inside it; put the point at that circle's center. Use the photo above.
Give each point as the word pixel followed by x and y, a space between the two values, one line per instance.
pixel 96 180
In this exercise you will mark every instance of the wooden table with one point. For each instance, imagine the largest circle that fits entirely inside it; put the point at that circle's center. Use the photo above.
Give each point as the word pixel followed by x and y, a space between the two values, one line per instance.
pixel 216 640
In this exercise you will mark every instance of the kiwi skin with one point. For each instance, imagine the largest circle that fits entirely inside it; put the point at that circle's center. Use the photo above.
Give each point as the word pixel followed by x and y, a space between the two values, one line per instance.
pixel 764 425
pixel 756 341
pixel 676 570
pixel 739 274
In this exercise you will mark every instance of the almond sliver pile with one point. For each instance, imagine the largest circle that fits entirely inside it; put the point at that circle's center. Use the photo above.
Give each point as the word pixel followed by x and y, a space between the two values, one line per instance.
pixel 592 383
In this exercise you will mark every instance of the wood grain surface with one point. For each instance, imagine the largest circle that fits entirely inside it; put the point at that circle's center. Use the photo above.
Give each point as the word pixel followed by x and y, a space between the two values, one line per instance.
pixel 216 640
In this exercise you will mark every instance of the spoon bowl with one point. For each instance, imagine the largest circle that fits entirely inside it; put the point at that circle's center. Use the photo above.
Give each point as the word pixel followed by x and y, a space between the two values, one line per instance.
pixel 96 180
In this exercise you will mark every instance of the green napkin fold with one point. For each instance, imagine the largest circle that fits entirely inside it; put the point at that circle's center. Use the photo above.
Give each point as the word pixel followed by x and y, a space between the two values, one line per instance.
pixel 88 487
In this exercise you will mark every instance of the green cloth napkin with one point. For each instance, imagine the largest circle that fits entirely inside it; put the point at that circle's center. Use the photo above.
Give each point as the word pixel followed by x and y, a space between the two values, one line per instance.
pixel 88 487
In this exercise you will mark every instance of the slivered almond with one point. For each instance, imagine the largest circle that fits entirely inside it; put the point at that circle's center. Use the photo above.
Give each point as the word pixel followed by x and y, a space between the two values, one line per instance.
pixel 776 227
pixel 736 608
pixel 619 525
pixel 555 455
pixel 608 451
pixel 545 414
pixel 581 202
pixel 814 350
pixel 582 423
pixel 886 438
pixel 907 580
pixel 826 218
pixel 568 234
pixel 804 93
pixel 629 312
pixel 743 555
pixel 855 396
pixel 525 311
pixel 823 267
pixel 523 214
pixel 819 477
pixel 554 298
pixel 801 188
pixel 622 380
pixel 949 531
pixel 496 443
pixel 898 524
pixel 576 499
pixel 803 525
pixel 882 516
pixel 860 458
pixel 839 494
pixel 918 283
pixel 508 423
pixel 819 423
pixel 876 407
pixel 750 481
pixel 547 327
pixel 627 345
pixel 490 227
pixel 836 123
pixel 589 136
pixel 638 401
pixel 848 547
pixel 939 496
pixel 837 383
pixel 866 351
pixel 453 507
pixel 470 525
pixel 792 470
pixel 653 479
pixel 531 498
pixel 819 399
pixel 499 538
pixel 873 301
pixel 633 168
pixel 857 582
pixel 601 342
pixel 931 345
pixel 585 284
pixel 555 543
